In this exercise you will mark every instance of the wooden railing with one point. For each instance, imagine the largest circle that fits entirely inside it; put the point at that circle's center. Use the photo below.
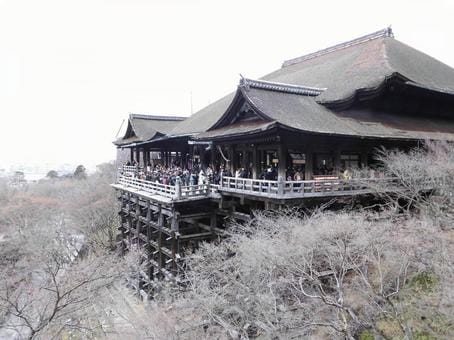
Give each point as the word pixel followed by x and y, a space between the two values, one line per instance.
pixel 280 188
pixel 148 186
pixel 176 191
pixel 131 169
pixel 257 187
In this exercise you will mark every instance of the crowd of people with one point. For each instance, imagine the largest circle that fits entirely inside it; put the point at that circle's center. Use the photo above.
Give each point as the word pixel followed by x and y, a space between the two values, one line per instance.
pixel 168 175
pixel 198 174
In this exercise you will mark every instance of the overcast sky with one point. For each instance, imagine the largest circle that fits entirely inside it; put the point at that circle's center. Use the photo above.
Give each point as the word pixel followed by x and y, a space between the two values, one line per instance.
pixel 71 71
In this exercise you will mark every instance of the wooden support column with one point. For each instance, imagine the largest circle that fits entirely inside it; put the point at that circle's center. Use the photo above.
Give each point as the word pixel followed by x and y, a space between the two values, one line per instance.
pixel 309 166
pixel 231 157
pixel 129 219
pixel 146 157
pixel 137 220
pixel 131 155
pixel 138 156
pixel 175 226
pixel 213 224
pixel 337 160
pixel 138 283
pixel 149 252
pixel 244 161
pixel 213 157
pixel 123 219
pixel 255 163
pixel 190 159
pixel 363 158
pixel 202 156
pixel 160 225
pixel 282 156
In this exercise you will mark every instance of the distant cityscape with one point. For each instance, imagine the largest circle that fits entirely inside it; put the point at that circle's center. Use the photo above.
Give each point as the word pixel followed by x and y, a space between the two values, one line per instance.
pixel 34 172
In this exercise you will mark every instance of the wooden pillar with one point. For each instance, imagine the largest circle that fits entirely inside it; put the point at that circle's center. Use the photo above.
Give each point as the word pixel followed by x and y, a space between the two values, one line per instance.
pixel 149 252
pixel 138 156
pixel 282 157
pixel 202 156
pixel 337 160
pixel 231 157
pixel 138 242
pixel 137 212
pixel 131 155
pixel 255 161
pixel 129 219
pixel 213 157
pixel 160 225
pixel 145 157
pixel 244 161
pixel 175 230
pixel 309 166
pixel 363 157
pixel 213 223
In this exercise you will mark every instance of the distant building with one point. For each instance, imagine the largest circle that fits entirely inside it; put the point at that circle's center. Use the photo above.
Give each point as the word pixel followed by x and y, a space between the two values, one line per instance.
pixel 18 179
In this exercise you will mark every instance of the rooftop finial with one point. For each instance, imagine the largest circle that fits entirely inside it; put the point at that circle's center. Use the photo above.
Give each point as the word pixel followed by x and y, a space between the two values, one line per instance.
pixel 244 82
pixel 389 32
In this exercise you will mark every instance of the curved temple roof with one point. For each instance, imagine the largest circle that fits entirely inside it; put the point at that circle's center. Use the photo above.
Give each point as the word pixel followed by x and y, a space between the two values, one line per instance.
pixel 302 93
pixel 143 128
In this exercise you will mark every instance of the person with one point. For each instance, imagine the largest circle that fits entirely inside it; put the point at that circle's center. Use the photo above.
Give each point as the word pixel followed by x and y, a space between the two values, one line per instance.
pixel 346 174
pixel 298 176
pixel 209 173
pixel 227 173
pixel 269 173
pixel 202 177
pixel 243 173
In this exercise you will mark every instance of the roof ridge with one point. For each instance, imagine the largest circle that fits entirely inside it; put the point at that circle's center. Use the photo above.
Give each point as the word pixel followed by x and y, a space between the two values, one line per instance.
pixel 156 117
pixel 280 87
pixel 387 32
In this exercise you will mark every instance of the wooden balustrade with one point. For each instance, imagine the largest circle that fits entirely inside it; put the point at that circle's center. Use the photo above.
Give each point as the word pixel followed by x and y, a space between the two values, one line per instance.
pixel 175 192
pixel 131 169
pixel 257 187
pixel 148 186
pixel 283 189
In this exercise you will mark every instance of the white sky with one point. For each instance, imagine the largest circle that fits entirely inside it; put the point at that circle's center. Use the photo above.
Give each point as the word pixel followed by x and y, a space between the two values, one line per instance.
pixel 70 71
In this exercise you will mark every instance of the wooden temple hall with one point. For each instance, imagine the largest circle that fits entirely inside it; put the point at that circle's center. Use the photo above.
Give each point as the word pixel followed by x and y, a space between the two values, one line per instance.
pixel 285 138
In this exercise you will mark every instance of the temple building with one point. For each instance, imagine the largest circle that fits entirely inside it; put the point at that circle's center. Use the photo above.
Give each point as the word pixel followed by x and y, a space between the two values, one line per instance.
pixel 324 111
pixel 317 116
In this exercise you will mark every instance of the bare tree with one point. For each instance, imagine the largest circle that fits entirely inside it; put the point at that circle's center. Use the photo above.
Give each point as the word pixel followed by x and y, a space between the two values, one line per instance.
pixel 330 274
pixel 422 178
pixel 56 292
